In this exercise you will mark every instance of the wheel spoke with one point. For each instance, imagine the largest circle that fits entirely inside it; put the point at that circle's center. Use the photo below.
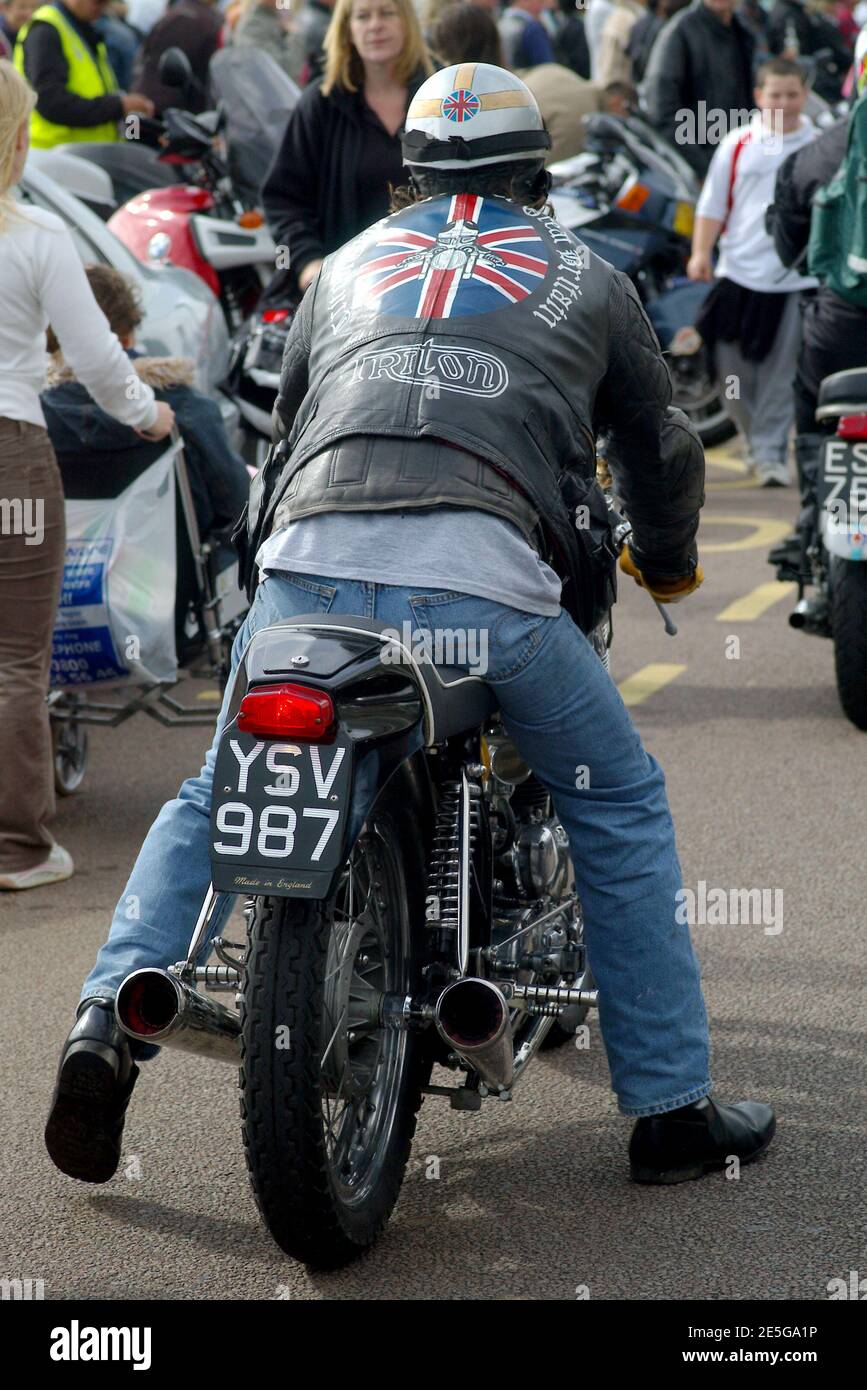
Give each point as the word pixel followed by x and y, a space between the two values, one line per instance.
pixel 358 1075
pixel 331 1040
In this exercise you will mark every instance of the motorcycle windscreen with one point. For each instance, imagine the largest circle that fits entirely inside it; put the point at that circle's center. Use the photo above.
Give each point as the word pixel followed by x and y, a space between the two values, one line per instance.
pixel 257 99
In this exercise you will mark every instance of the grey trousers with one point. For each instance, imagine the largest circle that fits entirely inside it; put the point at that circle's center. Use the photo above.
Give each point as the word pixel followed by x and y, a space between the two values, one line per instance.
pixel 759 396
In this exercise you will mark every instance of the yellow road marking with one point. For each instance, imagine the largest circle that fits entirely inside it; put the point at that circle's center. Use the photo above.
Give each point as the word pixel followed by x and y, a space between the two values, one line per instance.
pixel 719 457
pixel 647 681
pixel 764 531
pixel 754 604
pixel 208 695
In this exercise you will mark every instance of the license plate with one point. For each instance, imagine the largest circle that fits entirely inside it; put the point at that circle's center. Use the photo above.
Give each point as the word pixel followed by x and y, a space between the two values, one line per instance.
pixel 278 813
pixel 843 482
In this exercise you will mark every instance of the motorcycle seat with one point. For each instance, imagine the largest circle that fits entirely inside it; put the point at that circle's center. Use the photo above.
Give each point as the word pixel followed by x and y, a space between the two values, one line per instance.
pixel 455 701
pixel 843 392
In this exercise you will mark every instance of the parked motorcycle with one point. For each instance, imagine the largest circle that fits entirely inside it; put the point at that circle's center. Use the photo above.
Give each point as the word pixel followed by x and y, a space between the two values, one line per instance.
pixel 253 99
pixel 253 378
pixel 201 225
pixel 631 197
pixel 410 901
pixel 210 224
pixel 832 532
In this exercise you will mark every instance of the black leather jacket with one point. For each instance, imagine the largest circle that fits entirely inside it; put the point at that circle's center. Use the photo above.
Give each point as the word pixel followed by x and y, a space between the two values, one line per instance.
pixel 698 64
pixel 798 181
pixel 518 352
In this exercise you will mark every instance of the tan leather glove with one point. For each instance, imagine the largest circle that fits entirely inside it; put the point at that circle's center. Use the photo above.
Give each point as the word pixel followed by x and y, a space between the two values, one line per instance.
pixel 663 590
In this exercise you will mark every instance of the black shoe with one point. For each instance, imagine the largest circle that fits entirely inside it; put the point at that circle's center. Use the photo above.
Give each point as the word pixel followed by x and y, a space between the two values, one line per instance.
pixel 698 1138
pixel 95 1081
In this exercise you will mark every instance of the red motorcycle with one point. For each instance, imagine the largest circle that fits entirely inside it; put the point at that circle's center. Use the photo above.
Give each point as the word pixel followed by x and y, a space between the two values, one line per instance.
pixel 203 225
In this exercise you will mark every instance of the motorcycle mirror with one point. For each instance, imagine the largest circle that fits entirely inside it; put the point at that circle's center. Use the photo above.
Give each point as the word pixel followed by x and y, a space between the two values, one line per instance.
pixel 174 68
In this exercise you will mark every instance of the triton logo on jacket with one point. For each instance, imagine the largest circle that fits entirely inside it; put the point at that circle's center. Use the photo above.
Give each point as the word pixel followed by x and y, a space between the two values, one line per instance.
pixel 432 263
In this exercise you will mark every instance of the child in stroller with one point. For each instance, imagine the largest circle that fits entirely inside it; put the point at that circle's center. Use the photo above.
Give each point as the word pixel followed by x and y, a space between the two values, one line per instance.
pixel 88 441
pixel 218 477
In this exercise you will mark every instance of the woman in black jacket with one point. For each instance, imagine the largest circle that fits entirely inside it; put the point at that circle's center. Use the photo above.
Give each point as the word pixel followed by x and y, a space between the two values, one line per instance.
pixel 341 150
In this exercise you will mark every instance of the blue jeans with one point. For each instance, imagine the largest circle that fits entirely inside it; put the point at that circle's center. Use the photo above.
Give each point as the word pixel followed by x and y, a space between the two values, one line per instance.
pixel 569 723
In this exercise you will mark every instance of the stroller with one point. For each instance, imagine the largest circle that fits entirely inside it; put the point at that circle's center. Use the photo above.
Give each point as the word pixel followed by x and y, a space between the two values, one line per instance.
pixel 145 599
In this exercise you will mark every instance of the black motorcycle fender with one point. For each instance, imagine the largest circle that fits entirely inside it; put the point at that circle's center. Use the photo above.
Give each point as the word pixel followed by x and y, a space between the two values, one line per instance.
pixel 385 744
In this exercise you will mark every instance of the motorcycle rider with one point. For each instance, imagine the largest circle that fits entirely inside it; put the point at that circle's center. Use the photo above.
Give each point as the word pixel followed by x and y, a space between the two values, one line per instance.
pixel 442 388
pixel 834 331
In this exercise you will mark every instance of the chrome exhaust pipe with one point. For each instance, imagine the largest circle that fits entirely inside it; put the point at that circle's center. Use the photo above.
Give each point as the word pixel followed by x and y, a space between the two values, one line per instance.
pixel 473 1018
pixel 798 616
pixel 810 615
pixel 154 1006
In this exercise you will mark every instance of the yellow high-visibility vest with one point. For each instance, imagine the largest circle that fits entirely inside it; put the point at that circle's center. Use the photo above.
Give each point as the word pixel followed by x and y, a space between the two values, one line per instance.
pixel 89 76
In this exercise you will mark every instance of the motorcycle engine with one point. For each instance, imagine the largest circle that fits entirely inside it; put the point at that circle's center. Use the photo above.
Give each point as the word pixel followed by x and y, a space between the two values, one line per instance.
pixel 531 846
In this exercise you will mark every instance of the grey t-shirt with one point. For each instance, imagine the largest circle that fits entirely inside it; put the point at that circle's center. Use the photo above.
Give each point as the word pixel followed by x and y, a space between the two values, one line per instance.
pixel 460 548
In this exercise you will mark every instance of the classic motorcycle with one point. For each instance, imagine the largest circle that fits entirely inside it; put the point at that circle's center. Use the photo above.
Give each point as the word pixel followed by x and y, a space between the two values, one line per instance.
pixel 831 555
pixel 410 901
pixel 631 198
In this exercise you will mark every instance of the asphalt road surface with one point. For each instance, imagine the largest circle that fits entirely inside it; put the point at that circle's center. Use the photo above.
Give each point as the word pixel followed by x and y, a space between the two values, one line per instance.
pixel 532 1198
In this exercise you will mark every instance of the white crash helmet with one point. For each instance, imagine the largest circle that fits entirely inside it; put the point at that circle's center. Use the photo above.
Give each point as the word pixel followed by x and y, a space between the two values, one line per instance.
pixel 472 114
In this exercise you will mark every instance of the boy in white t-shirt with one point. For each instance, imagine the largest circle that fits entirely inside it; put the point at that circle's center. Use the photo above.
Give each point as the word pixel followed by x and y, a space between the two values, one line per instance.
pixel 751 320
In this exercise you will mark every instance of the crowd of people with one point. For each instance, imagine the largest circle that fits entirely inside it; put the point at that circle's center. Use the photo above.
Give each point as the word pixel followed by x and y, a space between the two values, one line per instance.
pixel 76 68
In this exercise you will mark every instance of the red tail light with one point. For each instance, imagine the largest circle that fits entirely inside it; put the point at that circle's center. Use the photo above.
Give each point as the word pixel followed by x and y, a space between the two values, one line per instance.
pixel 852 427
pixel 275 711
pixel 275 315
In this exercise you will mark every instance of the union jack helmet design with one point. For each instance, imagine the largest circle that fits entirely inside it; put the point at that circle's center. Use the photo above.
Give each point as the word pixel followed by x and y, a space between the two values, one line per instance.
pixel 472 114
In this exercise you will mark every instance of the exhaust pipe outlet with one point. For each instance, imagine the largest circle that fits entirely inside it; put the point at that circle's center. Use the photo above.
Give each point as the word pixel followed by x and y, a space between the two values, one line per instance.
pixel 473 1018
pixel 154 1006
pixel 810 615
pixel 798 616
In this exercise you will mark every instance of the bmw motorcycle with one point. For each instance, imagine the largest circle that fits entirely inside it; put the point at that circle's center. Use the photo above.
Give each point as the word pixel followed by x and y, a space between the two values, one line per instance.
pixel 631 198
pixel 831 555
pixel 409 900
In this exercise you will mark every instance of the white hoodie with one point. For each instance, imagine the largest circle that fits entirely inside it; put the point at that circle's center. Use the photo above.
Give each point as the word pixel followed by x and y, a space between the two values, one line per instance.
pixel 42 281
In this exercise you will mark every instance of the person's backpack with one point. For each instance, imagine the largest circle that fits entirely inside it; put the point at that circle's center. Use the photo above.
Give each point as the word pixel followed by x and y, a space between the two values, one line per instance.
pixel 837 250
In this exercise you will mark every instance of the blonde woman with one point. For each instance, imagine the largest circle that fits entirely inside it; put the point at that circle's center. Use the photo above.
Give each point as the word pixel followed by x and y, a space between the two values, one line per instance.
pixel 41 279
pixel 341 150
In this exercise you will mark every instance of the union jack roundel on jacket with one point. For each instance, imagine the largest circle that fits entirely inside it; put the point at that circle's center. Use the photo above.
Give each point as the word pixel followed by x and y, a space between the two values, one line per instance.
pixel 446 259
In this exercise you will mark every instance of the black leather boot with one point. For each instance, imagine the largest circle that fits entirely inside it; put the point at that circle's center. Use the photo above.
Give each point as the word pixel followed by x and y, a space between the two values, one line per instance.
pixel 698 1138
pixel 94 1083
pixel 790 556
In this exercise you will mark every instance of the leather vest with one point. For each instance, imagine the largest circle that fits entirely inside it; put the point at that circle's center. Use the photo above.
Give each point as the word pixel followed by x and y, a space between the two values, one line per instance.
pixel 364 474
pixel 465 322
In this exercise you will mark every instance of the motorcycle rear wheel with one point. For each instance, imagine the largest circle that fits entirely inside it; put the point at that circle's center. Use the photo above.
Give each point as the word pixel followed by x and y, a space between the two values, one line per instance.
pixel 849 627
pixel 328 1099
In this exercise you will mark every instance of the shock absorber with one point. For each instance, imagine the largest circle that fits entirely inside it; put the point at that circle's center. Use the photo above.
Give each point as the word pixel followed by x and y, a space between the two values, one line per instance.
pixel 447 898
